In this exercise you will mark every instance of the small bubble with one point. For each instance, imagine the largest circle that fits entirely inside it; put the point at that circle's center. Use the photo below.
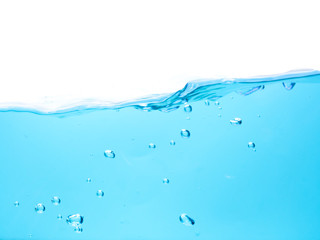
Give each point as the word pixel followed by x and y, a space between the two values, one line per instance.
pixel 220 108
pixel 288 86
pixel 56 200
pixel 100 193
pixel 186 220
pixel 219 115
pixel 172 143
pixel 30 235
pixel 185 133
pixel 78 229
pixel 59 216
pixel 206 102
pixel 89 180
pixel 258 115
pixel 188 118
pixel 187 108
pixel 251 145
pixel 109 154
pixel 152 145
pixel 40 208
pixel 216 103
pixel 165 181
pixel 236 121
pixel 74 220
pixel 16 204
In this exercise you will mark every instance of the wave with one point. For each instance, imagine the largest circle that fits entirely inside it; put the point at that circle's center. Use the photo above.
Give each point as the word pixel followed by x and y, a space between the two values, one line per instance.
pixel 197 90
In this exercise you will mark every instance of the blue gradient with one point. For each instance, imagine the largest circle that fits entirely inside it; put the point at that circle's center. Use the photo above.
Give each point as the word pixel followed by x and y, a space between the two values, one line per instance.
pixel 229 190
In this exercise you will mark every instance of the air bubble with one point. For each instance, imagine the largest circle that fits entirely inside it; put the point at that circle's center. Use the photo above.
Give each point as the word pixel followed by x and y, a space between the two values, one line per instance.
pixel 56 200
pixel 59 216
pixel 40 208
pixel 165 181
pixel 186 220
pixel 206 102
pixel 236 121
pixel 185 133
pixel 109 154
pixel 288 86
pixel 216 103
pixel 89 180
pixel 187 108
pixel 251 145
pixel 16 204
pixel 74 220
pixel 78 229
pixel 172 143
pixel 100 193
pixel 152 145
pixel 219 115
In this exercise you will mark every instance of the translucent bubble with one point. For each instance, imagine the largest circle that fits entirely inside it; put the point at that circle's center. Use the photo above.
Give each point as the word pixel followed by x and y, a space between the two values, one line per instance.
pixel 206 102
pixel 16 204
pixel 74 220
pixel 288 86
pixel 152 145
pixel 55 200
pixel 188 118
pixel 89 180
pixel 186 220
pixel 185 133
pixel 109 154
pixel 40 208
pixel 236 121
pixel 165 181
pixel 220 108
pixel 216 103
pixel 59 216
pixel 78 229
pixel 251 145
pixel 187 108
pixel 219 115
pixel 172 143
pixel 100 193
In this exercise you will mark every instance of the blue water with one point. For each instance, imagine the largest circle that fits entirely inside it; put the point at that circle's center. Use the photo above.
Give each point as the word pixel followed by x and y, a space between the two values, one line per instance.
pixel 209 185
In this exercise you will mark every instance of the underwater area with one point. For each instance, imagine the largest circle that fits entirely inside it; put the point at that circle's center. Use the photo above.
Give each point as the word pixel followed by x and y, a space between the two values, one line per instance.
pixel 216 160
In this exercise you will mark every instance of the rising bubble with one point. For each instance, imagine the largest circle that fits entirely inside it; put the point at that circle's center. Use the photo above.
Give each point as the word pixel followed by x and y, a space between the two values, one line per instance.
pixel 187 108
pixel 165 181
pixel 100 193
pixel 78 229
pixel 56 200
pixel 206 102
pixel 59 216
pixel 74 220
pixel 172 143
pixel 185 133
pixel 236 121
pixel 109 154
pixel 40 208
pixel 186 220
pixel 251 145
pixel 152 145
pixel 216 103
pixel 16 204
pixel 89 180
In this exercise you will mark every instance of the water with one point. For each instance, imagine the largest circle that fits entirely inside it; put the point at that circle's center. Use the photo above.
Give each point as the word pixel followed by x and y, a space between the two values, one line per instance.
pixel 229 191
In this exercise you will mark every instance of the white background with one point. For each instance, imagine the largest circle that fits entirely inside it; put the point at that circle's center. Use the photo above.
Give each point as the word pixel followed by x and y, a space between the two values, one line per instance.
pixel 118 50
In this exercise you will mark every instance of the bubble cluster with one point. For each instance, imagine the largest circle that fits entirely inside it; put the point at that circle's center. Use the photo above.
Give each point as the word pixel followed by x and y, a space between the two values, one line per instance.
pixel 186 220
pixel 109 154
